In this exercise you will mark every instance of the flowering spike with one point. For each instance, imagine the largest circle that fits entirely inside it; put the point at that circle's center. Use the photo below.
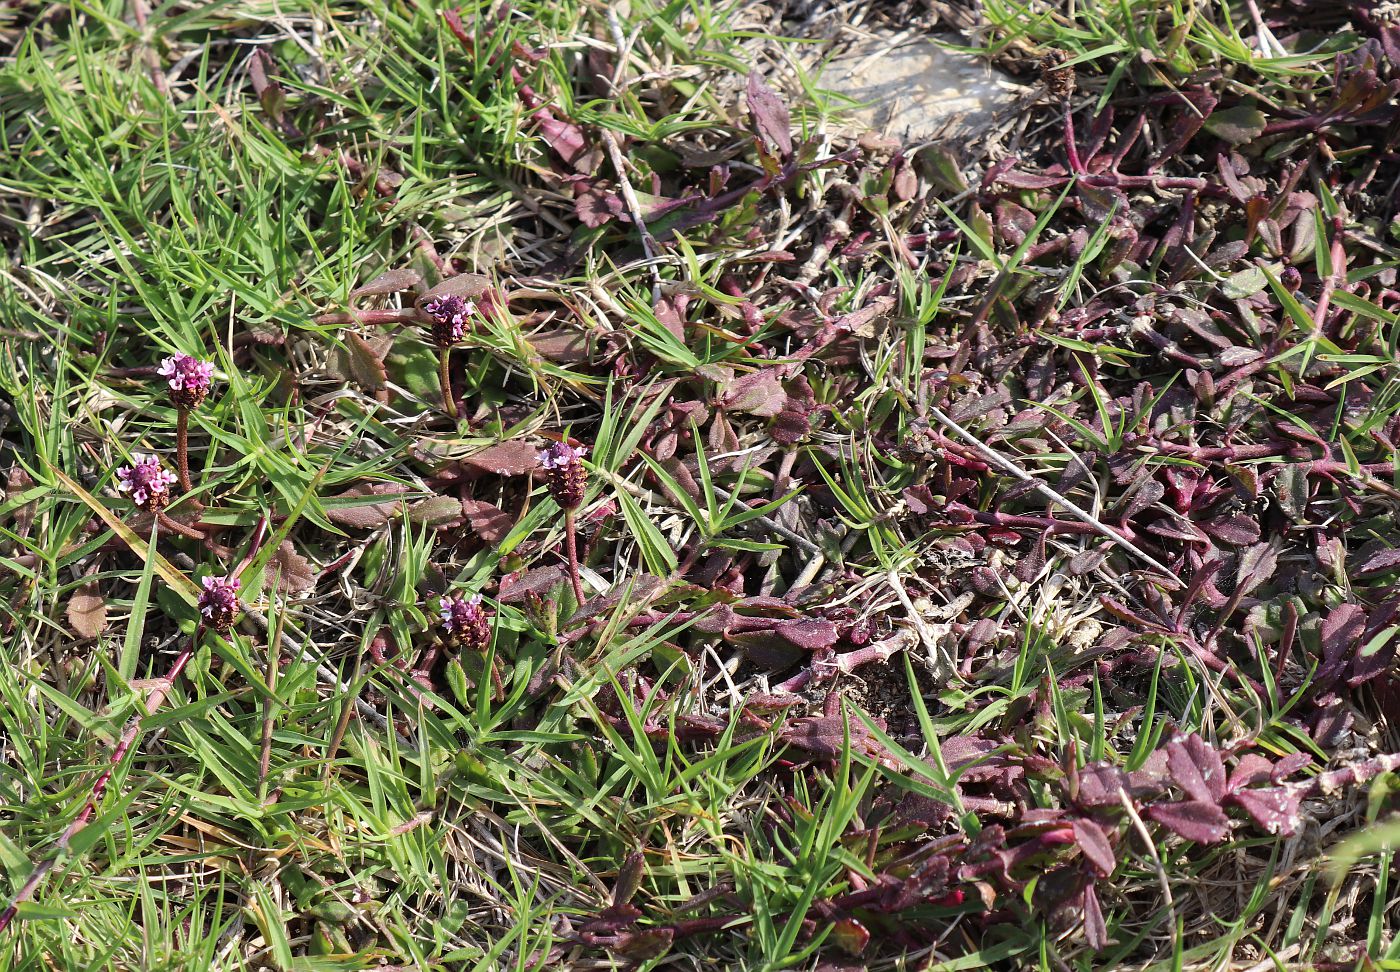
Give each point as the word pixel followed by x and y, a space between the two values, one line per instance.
pixel 567 477
pixel 467 623
pixel 148 484
pixel 447 318
pixel 219 602
pixel 189 379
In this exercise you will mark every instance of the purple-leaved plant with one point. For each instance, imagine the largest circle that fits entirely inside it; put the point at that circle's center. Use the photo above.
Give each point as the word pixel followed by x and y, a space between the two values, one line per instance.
pixel 567 480
pixel 189 380
pixel 447 322
pixel 465 622
pixel 218 603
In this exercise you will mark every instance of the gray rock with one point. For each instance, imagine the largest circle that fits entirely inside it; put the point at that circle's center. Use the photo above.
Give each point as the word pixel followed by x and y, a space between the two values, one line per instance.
pixel 913 87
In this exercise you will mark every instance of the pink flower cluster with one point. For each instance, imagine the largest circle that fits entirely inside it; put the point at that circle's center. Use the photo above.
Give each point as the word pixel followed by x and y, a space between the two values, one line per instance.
pixel 467 623
pixel 146 482
pixel 189 379
pixel 447 316
pixel 219 602
pixel 568 480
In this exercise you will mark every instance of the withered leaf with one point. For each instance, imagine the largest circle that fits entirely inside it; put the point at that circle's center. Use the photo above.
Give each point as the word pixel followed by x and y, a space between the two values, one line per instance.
pixel 370 514
pixel 389 282
pixel 770 116
pixel 87 611
pixel 488 521
pixel 293 571
pixel 514 458
pixel 438 511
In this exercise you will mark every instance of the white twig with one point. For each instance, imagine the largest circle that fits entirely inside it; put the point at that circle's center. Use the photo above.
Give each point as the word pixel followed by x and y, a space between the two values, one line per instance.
pixel 1011 469
pixel 629 196
pixel 1146 836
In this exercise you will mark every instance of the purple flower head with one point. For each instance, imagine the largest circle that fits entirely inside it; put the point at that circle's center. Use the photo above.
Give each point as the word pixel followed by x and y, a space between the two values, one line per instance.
pixel 148 484
pixel 189 379
pixel 467 623
pixel 219 602
pixel 447 316
pixel 567 477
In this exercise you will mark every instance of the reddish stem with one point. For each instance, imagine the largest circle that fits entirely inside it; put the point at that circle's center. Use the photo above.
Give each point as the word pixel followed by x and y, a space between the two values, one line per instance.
pixel 368 317
pixel 174 525
pixel 449 404
pixel 1075 165
pixel 571 548
pixel 159 691
pixel 182 448
pixel 1330 282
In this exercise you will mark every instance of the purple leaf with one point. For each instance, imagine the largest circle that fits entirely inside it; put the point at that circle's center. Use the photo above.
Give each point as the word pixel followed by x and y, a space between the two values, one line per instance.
pixel 389 282
pixel 539 581
pixel 1237 125
pixel 370 514
pixel 760 393
pixel 1094 845
pixel 1197 768
pixel 811 635
pixel 1289 765
pixel 770 116
pixel 1257 565
pixel 567 140
pixel 1095 930
pixel 1195 820
pixel 1239 530
pixel 490 522
pixel 596 207
pixel 1275 809
pixel 1340 630
pixel 1381 560
pixel 825 736
pixel 505 459
pixel 1100 785
pixel 1251 768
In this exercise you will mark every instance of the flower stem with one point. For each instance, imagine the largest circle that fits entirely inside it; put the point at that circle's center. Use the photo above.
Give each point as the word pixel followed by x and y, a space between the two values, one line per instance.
pixel 158 691
pixel 448 404
pixel 175 526
pixel 571 548
pixel 182 448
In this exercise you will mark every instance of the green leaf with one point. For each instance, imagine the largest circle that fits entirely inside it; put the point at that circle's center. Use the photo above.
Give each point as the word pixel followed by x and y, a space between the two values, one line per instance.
pixel 1243 123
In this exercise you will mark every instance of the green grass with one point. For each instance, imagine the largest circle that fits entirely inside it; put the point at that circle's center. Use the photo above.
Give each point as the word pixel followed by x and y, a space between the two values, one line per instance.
pixel 298 805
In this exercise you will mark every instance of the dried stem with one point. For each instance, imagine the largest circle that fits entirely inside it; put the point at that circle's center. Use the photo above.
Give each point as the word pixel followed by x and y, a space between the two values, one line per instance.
pixel 571 549
pixel 629 195
pixel 182 448
pixel 1005 465
pixel 274 664
pixel 159 689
